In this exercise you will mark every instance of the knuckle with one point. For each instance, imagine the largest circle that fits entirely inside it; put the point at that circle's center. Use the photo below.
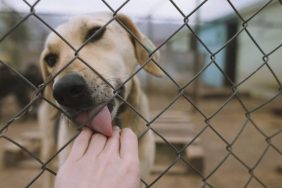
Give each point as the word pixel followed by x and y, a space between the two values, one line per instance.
pixel 131 162
pixel 132 167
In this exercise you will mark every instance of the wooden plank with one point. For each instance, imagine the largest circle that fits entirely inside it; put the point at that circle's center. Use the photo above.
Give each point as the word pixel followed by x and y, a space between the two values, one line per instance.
pixel 172 115
pixel 174 139
pixel 170 120
pixel 28 163
pixel 32 135
pixel 195 155
pixel 164 157
pixel 167 128
pixel 12 154
pixel 176 169
pixel 12 148
pixel 177 128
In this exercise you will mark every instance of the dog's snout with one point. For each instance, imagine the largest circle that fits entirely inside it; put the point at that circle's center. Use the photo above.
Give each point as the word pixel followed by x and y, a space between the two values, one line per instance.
pixel 72 91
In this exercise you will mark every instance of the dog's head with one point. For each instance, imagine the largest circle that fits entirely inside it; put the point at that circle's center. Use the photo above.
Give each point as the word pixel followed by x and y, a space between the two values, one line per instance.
pixel 87 77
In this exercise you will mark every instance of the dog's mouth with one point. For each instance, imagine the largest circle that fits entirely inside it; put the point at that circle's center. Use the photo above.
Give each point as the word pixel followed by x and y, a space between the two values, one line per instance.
pixel 94 108
pixel 98 119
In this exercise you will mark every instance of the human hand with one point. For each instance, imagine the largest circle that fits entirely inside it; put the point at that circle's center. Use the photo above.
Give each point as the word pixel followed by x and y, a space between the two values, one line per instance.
pixel 98 161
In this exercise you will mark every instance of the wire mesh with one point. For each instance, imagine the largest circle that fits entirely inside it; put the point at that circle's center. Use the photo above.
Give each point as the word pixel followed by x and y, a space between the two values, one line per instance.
pixel 234 88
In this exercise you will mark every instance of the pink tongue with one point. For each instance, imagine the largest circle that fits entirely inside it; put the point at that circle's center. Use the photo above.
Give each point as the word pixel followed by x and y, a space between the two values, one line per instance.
pixel 101 123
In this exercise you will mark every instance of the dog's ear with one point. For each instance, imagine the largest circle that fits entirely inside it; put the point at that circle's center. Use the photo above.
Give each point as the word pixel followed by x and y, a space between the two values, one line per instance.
pixel 142 54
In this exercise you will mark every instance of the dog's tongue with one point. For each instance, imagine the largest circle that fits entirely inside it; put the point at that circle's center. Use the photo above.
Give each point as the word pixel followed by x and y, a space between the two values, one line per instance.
pixel 102 122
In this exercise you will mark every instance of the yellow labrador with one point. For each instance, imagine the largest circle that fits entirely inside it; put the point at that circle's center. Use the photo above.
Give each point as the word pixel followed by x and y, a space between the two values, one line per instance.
pixel 84 89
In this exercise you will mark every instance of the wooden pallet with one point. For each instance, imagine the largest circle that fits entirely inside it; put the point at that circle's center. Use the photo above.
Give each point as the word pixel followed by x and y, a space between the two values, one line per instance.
pixel 175 126
pixel 12 154
pixel 177 129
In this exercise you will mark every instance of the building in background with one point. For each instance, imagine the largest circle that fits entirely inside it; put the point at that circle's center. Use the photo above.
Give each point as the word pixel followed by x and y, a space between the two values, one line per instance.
pixel 246 52
pixel 237 60
pixel 214 35
pixel 266 30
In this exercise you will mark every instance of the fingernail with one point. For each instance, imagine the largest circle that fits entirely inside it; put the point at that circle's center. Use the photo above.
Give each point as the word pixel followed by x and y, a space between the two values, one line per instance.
pixel 116 128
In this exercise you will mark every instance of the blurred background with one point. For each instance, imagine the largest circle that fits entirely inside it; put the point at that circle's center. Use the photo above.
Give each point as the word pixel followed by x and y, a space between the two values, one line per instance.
pixel 218 105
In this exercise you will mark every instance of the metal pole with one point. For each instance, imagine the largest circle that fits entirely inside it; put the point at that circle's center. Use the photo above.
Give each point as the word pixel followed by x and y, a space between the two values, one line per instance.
pixel 197 59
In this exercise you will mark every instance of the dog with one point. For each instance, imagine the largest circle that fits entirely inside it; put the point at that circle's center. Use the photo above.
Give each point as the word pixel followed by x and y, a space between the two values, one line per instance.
pixel 91 83
pixel 13 84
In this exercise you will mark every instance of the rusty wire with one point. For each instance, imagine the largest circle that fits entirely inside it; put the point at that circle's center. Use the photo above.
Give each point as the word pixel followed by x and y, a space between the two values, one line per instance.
pixel 234 88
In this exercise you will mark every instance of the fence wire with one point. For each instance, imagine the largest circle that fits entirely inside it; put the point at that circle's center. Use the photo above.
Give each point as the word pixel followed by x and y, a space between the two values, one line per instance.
pixel 208 125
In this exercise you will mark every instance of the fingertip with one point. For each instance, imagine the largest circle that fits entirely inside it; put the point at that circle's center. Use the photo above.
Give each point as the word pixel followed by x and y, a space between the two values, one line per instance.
pixel 80 144
pixel 86 130
pixel 114 141
pixel 128 133
pixel 129 143
pixel 116 132
pixel 116 128
pixel 85 134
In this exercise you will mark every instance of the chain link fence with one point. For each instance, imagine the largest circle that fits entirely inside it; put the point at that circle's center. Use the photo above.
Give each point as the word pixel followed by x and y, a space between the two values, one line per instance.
pixel 251 178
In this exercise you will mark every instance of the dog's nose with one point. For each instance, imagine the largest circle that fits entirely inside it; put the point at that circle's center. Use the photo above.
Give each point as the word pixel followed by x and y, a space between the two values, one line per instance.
pixel 72 91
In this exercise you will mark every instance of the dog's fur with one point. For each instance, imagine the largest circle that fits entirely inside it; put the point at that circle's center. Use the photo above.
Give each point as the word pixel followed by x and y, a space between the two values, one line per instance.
pixel 13 84
pixel 114 56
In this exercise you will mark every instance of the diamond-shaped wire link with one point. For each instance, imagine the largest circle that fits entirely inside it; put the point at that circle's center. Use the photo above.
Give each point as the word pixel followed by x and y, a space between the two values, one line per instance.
pixel 181 94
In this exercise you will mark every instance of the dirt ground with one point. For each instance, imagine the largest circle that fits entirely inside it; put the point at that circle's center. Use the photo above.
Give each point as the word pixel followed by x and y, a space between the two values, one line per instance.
pixel 224 127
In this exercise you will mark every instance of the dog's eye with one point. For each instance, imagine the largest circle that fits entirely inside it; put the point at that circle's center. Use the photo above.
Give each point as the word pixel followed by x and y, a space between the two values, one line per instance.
pixel 51 59
pixel 95 34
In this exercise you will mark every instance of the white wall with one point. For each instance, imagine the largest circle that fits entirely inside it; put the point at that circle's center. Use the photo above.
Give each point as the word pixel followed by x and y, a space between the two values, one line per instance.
pixel 266 29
